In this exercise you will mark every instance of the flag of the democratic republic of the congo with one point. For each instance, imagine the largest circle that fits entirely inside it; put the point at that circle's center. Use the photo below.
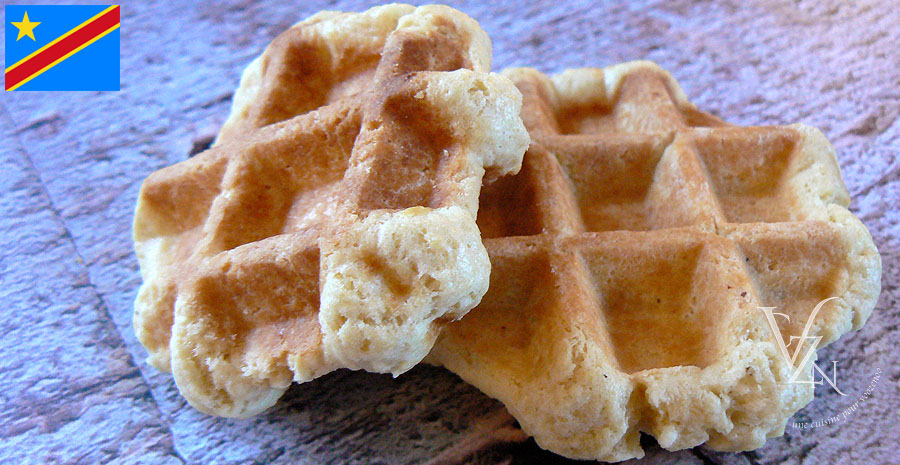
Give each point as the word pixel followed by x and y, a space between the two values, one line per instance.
pixel 62 47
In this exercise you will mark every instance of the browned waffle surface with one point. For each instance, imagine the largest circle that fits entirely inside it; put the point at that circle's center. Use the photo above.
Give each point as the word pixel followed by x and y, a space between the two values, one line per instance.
pixel 631 256
pixel 333 222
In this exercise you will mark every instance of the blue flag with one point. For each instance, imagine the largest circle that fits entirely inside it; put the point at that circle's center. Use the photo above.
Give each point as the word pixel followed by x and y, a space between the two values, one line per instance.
pixel 62 47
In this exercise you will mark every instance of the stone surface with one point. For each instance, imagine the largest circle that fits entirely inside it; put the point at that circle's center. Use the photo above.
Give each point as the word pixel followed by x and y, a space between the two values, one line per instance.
pixel 73 384
pixel 70 392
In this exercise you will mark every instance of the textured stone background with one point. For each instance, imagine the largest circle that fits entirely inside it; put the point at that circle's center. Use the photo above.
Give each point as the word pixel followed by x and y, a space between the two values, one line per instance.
pixel 73 384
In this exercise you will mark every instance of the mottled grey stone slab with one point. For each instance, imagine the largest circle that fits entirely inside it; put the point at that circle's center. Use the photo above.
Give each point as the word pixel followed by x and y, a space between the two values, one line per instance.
pixel 70 197
pixel 69 391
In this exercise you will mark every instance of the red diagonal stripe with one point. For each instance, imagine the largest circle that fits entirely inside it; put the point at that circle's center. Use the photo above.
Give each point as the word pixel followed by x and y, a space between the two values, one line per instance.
pixel 63 47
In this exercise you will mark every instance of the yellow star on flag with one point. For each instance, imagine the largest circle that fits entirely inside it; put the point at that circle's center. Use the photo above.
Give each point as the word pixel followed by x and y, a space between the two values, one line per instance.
pixel 25 27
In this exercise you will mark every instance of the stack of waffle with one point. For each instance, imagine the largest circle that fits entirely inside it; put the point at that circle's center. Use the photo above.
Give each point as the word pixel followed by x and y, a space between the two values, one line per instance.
pixel 607 281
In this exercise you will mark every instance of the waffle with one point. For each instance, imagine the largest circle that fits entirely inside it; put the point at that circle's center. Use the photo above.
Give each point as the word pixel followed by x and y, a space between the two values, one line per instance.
pixel 333 222
pixel 630 256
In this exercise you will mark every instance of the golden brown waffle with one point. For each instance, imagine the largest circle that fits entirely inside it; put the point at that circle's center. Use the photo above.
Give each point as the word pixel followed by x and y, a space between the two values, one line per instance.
pixel 333 222
pixel 630 256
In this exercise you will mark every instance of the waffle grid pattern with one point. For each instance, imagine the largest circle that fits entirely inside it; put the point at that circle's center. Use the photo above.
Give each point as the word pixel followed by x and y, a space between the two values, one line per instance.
pixel 630 256
pixel 332 225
